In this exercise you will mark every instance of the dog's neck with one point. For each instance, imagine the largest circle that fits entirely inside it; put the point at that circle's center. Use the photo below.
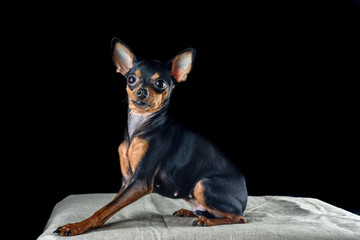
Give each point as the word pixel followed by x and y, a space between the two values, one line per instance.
pixel 135 121
pixel 140 122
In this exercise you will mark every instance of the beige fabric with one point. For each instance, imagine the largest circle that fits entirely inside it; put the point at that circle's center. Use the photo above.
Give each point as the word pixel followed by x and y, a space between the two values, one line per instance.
pixel 269 217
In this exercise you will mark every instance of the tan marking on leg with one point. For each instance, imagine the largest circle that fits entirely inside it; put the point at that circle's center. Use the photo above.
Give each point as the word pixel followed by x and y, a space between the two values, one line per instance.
pixel 229 218
pixel 199 190
pixel 127 197
pixel 137 150
pixel 124 161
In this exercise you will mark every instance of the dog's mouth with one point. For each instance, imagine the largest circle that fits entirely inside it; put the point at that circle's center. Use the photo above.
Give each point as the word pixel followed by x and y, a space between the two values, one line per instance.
pixel 141 104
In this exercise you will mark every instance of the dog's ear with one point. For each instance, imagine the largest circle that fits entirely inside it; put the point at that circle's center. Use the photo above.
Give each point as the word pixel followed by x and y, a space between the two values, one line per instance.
pixel 181 64
pixel 123 57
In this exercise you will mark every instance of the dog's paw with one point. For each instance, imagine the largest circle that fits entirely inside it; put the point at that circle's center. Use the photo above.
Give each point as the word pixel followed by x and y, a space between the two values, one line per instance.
pixel 201 221
pixel 71 229
pixel 184 213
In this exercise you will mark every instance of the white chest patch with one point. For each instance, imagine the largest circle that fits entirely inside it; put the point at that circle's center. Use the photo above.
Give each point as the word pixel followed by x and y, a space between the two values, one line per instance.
pixel 135 121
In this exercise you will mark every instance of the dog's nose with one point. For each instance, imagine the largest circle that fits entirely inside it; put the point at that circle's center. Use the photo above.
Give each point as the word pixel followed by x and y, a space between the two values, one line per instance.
pixel 142 93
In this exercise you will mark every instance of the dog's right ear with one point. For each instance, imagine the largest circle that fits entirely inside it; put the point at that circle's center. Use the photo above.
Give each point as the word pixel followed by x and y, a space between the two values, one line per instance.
pixel 123 57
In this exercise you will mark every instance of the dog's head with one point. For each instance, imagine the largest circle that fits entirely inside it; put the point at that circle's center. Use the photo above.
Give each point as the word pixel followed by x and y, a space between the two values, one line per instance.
pixel 150 82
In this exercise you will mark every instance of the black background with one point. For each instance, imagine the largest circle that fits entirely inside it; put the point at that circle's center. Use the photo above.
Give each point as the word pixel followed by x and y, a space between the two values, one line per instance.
pixel 273 85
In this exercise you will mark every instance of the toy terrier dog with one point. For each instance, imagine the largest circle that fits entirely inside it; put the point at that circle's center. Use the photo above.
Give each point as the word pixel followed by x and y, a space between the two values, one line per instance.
pixel 158 155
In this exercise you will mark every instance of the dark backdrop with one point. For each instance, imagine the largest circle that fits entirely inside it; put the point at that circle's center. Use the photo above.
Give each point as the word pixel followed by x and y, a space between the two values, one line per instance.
pixel 272 86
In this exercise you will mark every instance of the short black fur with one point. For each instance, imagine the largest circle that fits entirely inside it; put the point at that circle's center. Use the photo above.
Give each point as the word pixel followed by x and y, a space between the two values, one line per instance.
pixel 158 155
pixel 180 158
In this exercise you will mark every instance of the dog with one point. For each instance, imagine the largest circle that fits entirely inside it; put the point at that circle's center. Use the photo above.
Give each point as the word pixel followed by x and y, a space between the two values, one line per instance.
pixel 160 156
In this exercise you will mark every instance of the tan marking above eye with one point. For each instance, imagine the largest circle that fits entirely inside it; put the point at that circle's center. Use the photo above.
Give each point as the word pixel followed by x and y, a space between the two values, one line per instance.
pixel 155 76
pixel 138 73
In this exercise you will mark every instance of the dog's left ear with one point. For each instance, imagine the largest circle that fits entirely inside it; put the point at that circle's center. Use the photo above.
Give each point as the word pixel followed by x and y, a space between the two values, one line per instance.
pixel 123 57
pixel 181 64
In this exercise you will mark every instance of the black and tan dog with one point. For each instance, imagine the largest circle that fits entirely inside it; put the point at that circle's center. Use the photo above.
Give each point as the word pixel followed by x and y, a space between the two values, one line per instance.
pixel 160 156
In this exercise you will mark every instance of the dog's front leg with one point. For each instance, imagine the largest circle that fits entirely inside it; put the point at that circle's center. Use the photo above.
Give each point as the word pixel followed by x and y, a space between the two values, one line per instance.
pixel 133 192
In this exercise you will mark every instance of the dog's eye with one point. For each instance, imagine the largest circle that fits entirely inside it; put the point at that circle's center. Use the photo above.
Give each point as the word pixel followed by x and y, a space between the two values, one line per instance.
pixel 131 80
pixel 161 84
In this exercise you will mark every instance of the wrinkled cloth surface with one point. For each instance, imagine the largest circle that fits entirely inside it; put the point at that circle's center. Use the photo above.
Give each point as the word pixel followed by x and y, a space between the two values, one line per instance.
pixel 269 217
